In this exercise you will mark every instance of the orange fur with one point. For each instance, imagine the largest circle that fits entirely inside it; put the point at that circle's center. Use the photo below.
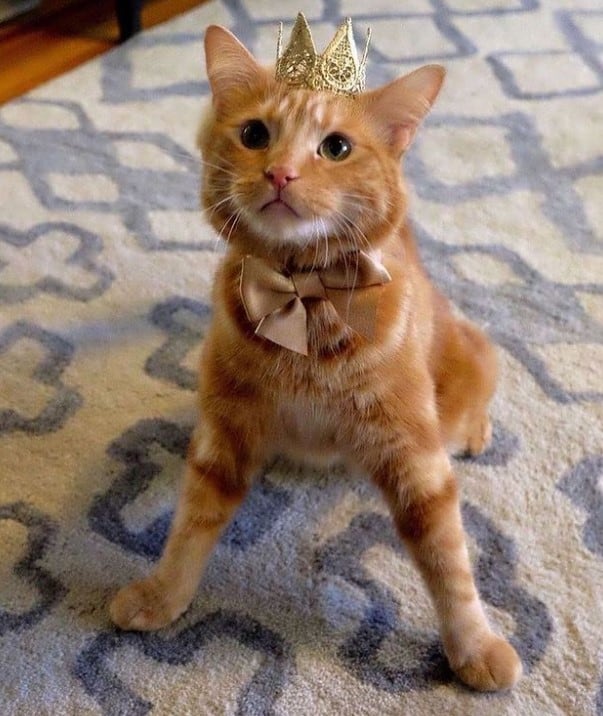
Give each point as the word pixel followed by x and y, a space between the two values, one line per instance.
pixel 391 405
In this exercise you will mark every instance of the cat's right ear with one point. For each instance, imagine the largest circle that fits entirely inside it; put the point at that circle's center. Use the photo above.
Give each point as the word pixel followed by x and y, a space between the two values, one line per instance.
pixel 400 106
pixel 230 65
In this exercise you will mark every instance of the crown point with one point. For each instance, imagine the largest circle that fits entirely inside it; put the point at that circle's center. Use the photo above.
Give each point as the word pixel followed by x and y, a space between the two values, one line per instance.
pixel 336 70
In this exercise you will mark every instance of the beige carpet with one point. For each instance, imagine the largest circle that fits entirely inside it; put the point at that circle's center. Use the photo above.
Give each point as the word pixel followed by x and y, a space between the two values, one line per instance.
pixel 309 605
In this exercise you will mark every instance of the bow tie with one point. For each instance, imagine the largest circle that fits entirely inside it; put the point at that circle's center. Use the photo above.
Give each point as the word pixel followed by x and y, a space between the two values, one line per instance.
pixel 274 299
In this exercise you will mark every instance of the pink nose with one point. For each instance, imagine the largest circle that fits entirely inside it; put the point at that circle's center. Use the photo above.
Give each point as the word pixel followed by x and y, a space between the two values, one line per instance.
pixel 279 177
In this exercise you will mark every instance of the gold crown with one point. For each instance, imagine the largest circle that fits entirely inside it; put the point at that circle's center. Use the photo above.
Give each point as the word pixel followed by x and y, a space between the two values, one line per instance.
pixel 336 70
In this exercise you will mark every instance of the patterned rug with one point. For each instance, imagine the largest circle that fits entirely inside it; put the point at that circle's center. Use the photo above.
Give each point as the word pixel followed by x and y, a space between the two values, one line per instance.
pixel 309 604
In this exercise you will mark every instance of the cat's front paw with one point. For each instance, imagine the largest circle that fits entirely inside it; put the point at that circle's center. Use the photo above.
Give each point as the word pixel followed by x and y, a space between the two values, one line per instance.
pixel 495 666
pixel 143 606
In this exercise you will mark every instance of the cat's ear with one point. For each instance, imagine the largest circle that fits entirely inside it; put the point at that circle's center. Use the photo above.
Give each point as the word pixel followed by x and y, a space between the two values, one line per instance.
pixel 400 106
pixel 230 65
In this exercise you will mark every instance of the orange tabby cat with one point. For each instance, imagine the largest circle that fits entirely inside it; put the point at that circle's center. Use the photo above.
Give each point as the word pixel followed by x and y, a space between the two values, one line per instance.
pixel 301 182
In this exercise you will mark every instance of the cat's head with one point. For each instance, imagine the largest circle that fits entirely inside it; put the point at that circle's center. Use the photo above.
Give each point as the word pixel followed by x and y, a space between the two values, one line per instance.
pixel 296 174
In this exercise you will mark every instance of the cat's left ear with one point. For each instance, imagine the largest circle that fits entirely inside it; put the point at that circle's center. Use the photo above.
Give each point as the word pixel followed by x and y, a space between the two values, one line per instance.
pixel 400 106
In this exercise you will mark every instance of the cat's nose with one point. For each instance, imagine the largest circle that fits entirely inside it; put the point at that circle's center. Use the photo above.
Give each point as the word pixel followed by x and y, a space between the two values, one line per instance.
pixel 280 176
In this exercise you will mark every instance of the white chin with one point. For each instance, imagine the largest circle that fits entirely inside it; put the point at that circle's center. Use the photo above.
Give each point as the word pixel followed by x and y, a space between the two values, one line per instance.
pixel 280 227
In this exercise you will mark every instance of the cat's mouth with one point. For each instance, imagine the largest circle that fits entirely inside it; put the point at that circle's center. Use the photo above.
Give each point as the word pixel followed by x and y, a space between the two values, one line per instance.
pixel 279 207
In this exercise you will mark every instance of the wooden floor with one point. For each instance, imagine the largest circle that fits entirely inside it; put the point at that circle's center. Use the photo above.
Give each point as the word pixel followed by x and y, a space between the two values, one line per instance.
pixel 61 34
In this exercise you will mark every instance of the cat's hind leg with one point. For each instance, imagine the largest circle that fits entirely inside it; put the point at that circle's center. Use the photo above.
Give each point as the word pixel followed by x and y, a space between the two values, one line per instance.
pixel 465 372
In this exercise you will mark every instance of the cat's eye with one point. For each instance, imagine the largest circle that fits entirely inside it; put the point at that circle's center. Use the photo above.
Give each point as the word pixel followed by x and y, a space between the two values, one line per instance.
pixel 255 134
pixel 335 147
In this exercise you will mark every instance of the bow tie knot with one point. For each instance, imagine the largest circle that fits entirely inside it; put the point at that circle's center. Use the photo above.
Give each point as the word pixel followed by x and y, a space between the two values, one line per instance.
pixel 274 300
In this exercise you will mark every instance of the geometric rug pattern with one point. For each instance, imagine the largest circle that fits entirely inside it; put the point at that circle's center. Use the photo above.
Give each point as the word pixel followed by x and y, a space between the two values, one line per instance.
pixel 309 604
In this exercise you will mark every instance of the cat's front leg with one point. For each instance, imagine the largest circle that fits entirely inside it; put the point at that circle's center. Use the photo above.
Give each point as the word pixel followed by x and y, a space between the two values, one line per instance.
pixel 422 492
pixel 215 484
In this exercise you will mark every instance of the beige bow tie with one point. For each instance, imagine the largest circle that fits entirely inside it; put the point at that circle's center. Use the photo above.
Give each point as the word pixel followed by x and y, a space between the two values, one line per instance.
pixel 274 300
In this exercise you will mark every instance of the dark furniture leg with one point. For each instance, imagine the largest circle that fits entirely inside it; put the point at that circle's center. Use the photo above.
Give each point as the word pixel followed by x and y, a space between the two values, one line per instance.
pixel 128 17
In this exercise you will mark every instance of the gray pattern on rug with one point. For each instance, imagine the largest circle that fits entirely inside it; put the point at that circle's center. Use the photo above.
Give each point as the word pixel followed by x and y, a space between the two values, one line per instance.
pixel 309 604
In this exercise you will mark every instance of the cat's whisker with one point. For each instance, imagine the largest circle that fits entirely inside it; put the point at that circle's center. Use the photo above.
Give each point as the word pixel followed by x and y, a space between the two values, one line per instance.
pixel 355 235
pixel 342 249
pixel 315 238
pixel 237 216
pixel 377 213
pixel 218 166
pixel 366 198
pixel 339 226
pixel 220 235
pixel 222 174
pixel 354 231
pixel 223 170
pixel 326 239
pixel 385 200
pixel 359 235
pixel 212 208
